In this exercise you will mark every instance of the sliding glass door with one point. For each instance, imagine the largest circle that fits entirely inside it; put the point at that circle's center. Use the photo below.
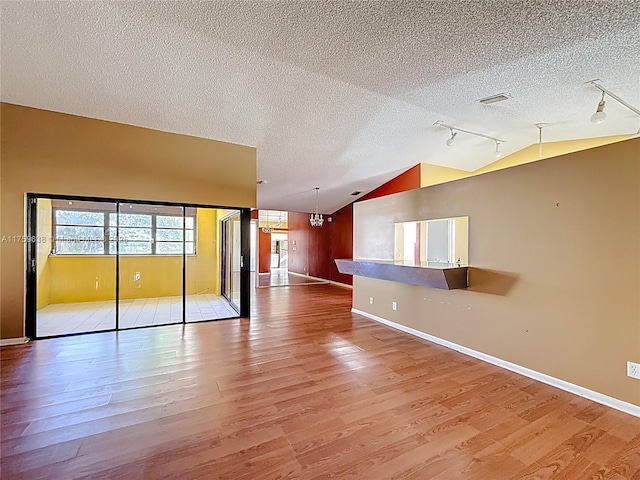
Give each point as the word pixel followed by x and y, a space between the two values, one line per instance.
pixel 109 265
pixel 204 300
pixel 75 272
pixel 151 241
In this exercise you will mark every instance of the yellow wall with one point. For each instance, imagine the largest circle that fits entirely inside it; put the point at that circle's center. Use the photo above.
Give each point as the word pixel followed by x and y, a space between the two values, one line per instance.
pixel 50 152
pixel 462 240
pixel 435 174
pixel 554 255
pixel 43 248
pixel 92 278
pixel 551 149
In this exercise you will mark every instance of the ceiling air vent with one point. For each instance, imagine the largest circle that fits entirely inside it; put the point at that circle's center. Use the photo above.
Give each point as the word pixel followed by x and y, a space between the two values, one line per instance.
pixel 356 193
pixel 495 98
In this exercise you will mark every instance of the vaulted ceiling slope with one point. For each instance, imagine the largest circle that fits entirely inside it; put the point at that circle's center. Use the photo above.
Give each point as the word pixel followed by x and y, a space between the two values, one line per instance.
pixel 337 94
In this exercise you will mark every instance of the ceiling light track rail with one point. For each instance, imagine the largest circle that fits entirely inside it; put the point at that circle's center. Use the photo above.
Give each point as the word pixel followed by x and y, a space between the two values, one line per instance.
pixel 440 123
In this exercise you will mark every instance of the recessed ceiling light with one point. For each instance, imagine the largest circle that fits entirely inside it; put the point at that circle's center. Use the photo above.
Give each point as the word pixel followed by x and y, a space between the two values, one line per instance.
pixel 500 97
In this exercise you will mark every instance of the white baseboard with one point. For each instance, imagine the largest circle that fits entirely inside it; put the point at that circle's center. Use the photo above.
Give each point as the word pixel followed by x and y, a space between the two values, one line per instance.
pixel 337 284
pixel 549 380
pixel 5 342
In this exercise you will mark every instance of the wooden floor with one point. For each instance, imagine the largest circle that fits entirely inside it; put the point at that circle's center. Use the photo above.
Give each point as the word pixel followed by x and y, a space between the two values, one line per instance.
pixel 281 278
pixel 305 390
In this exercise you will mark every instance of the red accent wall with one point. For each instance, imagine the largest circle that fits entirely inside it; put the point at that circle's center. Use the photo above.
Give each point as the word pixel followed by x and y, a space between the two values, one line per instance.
pixel 341 242
pixel 408 180
pixel 316 248
pixel 312 246
pixel 264 252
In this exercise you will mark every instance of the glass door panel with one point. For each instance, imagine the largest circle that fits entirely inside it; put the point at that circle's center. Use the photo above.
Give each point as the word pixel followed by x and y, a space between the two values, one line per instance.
pixel 204 299
pixel 75 274
pixel 231 259
pixel 150 242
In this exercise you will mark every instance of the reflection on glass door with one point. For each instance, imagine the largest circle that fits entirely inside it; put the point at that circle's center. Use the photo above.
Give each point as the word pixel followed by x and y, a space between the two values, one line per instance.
pixel 150 241
pixel 75 275
pixel 232 259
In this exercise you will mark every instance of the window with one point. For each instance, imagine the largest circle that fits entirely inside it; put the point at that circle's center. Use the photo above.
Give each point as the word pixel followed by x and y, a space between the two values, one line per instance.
pixel 79 232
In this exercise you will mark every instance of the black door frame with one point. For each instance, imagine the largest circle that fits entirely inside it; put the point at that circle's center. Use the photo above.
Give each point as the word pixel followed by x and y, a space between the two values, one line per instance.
pixel 245 265
pixel 31 293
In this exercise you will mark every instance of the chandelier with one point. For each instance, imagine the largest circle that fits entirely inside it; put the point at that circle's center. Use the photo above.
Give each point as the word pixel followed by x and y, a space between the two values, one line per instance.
pixel 316 218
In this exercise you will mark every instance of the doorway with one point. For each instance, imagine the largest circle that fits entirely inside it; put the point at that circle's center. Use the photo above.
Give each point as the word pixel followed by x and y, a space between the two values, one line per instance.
pixel 104 264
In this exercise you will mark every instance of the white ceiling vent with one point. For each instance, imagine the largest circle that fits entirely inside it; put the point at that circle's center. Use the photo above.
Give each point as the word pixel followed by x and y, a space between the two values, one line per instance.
pixel 495 98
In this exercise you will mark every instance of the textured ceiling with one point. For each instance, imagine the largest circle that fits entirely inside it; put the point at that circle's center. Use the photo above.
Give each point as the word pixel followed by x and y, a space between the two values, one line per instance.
pixel 340 95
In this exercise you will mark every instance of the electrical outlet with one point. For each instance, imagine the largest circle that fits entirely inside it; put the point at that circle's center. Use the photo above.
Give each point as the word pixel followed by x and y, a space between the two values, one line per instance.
pixel 371 300
pixel 394 305
pixel 633 370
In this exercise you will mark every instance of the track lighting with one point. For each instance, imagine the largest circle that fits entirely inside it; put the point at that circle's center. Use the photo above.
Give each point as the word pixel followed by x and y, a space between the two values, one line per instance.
pixel 455 130
pixel 599 116
pixel 451 141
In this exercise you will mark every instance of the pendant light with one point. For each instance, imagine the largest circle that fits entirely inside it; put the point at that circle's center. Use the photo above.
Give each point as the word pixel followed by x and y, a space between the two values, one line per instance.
pixel 316 219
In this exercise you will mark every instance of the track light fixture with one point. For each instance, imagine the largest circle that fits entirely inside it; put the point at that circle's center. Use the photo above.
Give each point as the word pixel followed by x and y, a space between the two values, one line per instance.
pixel 452 140
pixel 600 116
pixel 455 130
pixel 497 153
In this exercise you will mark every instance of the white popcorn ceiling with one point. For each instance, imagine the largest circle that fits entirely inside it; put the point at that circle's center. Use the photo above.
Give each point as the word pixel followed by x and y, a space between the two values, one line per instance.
pixel 340 95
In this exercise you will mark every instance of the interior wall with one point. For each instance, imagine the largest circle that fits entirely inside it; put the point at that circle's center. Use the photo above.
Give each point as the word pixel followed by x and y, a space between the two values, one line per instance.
pixel 203 269
pixel 264 252
pixel 88 278
pixel 435 174
pixel 55 153
pixel 405 181
pixel 554 277
pixel 341 242
pixel 549 149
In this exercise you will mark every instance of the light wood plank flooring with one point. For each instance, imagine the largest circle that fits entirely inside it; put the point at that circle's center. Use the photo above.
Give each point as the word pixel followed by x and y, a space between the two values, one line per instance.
pixel 305 390
pixel 281 277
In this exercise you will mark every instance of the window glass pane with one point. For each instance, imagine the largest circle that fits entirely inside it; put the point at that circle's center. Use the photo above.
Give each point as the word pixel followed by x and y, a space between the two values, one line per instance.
pixel 169 222
pixel 189 235
pixel 163 221
pixel 131 220
pixel 79 240
pixel 173 248
pixel 169 235
pixel 135 248
pixel 69 217
pixel 127 234
pixel 189 248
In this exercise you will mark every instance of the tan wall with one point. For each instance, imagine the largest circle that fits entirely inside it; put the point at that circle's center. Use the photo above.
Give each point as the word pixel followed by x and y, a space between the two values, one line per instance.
pixel 555 255
pixel 49 152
